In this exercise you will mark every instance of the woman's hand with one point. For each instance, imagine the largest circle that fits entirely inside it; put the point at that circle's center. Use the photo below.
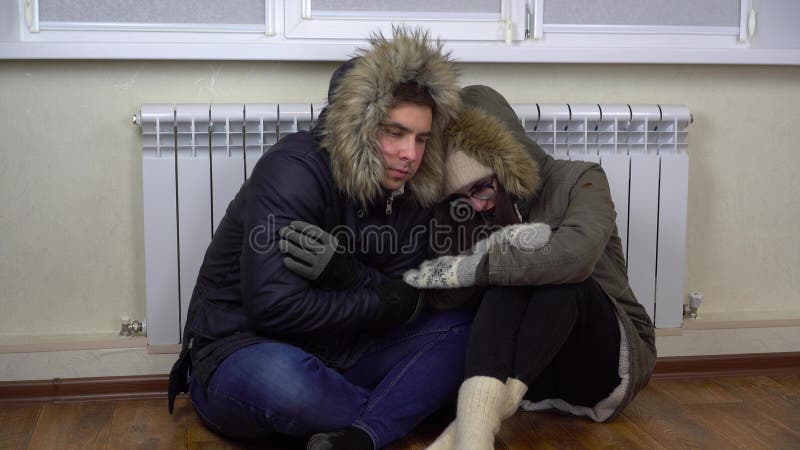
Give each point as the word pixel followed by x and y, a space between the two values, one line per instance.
pixel 447 272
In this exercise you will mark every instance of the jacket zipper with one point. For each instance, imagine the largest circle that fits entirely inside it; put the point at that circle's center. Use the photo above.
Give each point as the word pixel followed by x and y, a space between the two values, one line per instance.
pixel 389 204
pixel 390 200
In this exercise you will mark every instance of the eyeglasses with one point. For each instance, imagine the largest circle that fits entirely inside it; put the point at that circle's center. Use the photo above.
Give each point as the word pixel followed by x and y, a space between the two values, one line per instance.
pixel 483 190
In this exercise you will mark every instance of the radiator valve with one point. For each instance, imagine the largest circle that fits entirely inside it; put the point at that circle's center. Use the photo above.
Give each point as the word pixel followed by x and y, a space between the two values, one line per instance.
pixel 130 327
pixel 690 310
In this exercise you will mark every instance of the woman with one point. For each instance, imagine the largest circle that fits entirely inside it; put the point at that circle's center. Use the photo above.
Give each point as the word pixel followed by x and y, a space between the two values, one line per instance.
pixel 557 324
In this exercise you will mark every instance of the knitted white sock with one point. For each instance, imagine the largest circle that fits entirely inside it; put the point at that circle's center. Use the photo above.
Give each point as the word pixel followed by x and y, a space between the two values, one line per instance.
pixel 480 403
pixel 446 440
pixel 515 390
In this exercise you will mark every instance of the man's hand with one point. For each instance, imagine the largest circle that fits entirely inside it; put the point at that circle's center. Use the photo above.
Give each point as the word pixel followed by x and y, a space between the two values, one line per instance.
pixel 314 254
pixel 448 272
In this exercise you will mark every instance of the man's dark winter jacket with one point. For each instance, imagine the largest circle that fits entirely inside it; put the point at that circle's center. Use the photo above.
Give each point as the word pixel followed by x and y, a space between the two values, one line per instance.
pixel 244 294
pixel 330 177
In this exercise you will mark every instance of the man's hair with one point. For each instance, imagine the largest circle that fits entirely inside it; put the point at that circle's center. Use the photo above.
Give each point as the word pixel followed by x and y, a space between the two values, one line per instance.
pixel 414 93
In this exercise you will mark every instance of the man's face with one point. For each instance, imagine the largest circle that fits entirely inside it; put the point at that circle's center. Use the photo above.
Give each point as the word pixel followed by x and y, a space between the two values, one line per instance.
pixel 402 139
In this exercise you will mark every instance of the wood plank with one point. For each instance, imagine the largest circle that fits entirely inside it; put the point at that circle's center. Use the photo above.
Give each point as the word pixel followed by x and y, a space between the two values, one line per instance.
pixel 410 442
pixel 697 391
pixel 535 430
pixel 18 423
pixel 146 424
pixel 620 433
pixel 790 381
pixel 551 430
pixel 768 395
pixel 743 426
pixel 662 417
pixel 76 426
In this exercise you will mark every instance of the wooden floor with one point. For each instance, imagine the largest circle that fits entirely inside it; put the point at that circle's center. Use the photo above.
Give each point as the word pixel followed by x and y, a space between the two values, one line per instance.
pixel 711 413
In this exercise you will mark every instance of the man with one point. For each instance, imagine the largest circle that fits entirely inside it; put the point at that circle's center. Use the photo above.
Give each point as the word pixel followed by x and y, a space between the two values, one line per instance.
pixel 300 322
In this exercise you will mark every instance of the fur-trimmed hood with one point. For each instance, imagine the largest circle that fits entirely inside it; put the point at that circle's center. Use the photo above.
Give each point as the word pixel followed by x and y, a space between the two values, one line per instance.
pixel 360 100
pixel 488 141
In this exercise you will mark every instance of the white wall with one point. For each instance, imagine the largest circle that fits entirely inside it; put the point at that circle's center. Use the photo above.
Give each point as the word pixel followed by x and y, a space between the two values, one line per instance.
pixel 71 254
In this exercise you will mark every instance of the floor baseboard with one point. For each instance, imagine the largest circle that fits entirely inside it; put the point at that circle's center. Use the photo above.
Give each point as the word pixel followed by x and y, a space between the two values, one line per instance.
pixel 84 389
pixel 155 386
pixel 727 365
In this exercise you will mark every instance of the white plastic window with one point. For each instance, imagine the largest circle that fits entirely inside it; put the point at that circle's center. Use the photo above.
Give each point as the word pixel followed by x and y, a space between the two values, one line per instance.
pixel 689 13
pixel 197 15
pixel 638 23
pixel 472 20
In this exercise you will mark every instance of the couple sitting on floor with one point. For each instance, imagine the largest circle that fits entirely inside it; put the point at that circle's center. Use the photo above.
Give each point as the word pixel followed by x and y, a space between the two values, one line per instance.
pixel 416 240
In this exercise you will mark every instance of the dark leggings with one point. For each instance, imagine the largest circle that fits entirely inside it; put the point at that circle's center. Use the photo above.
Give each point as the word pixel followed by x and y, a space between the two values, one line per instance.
pixel 561 340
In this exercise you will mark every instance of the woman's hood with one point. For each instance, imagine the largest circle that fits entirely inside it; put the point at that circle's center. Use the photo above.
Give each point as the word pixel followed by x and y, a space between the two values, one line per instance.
pixel 492 103
pixel 487 139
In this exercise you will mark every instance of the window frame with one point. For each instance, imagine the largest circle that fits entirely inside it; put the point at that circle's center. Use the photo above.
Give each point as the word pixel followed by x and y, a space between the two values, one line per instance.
pixel 301 23
pixel 546 44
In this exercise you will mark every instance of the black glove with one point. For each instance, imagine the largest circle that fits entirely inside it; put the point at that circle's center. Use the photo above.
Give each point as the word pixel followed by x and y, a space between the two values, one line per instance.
pixel 315 254
pixel 400 303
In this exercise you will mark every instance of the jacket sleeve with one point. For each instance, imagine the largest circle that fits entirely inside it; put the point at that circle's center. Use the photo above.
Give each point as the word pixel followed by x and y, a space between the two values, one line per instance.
pixel 288 186
pixel 576 244
pixel 411 251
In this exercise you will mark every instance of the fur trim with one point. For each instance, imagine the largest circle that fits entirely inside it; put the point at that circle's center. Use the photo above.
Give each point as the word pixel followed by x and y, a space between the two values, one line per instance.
pixel 362 99
pixel 485 139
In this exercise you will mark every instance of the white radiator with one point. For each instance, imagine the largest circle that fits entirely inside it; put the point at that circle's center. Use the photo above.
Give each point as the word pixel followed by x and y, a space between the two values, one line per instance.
pixel 195 158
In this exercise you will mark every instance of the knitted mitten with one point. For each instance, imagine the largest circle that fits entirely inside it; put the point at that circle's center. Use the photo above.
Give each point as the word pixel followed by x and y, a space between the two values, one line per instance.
pixel 448 272
pixel 481 401
pixel 446 440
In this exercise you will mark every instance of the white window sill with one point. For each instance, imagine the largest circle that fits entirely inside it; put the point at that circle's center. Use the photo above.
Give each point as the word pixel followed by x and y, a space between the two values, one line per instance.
pixel 339 51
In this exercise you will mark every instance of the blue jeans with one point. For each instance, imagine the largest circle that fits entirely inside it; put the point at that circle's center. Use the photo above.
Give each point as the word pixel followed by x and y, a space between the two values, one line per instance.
pixel 275 387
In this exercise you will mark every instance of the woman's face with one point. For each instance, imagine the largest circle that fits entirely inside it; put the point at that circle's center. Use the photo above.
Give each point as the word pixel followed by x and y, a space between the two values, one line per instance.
pixel 481 194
